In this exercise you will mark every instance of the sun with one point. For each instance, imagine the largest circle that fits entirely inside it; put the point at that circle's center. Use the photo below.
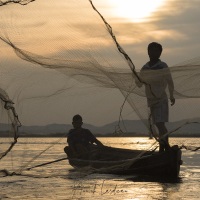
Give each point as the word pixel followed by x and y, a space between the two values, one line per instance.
pixel 135 10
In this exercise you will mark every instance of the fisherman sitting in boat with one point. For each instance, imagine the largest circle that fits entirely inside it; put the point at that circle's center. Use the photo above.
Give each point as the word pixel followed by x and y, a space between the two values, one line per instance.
pixel 80 139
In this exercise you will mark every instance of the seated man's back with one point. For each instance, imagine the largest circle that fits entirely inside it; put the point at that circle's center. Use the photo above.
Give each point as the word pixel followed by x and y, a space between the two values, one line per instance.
pixel 80 139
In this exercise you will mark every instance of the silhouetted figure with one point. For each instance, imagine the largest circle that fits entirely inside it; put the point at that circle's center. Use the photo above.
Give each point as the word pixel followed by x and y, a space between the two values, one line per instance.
pixel 80 139
pixel 157 76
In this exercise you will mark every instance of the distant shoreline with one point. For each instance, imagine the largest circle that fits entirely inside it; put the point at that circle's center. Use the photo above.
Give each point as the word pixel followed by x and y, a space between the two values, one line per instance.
pixel 132 128
pixel 101 136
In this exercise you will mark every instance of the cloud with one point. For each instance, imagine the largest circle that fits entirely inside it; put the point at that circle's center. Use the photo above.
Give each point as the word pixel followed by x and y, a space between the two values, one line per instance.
pixel 165 34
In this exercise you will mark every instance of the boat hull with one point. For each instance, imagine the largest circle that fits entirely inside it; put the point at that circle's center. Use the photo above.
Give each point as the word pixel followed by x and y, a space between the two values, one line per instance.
pixel 126 162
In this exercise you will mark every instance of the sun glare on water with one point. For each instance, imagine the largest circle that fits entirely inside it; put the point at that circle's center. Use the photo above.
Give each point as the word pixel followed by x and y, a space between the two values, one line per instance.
pixel 135 10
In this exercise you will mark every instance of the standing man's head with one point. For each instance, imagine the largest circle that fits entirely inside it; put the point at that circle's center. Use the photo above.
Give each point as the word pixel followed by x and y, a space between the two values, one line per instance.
pixel 154 50
pixel 77 121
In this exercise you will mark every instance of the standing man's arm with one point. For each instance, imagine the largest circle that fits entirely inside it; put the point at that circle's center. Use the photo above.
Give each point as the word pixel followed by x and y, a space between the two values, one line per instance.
pixel 171 87
pixel 137 81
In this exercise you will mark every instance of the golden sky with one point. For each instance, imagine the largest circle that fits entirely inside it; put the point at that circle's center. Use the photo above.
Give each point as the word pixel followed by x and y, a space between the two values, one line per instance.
pixel 174 23
pixel 59 28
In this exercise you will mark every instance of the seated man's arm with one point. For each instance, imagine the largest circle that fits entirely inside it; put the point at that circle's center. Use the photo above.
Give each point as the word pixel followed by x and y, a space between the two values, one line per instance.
pixel 71 144
pixel 93 139
pixel 98 142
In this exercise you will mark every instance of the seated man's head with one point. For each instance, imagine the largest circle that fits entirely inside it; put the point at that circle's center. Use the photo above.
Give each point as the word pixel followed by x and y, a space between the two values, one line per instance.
pixel 154 50
pixel 77 121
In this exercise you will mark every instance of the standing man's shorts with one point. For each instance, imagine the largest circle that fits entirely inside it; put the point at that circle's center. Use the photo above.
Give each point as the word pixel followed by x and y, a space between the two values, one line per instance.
pixel 160 112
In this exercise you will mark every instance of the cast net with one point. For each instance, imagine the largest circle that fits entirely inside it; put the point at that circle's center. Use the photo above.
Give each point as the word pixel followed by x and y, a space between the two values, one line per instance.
pixel 58 60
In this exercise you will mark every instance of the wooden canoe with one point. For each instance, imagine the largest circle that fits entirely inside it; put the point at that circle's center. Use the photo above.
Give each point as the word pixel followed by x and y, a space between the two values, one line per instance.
pixel 125 161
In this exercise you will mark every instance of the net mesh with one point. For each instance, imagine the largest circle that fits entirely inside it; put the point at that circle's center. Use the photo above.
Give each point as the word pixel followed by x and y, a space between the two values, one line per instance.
pixel 57 65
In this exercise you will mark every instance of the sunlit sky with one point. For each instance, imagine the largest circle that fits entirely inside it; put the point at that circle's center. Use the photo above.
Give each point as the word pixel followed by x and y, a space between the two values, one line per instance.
pixel 173 23
pixel 135 11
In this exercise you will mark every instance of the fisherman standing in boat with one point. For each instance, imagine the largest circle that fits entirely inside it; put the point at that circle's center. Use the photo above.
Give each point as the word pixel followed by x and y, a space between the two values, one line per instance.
pixel 156 76
pixel 80 139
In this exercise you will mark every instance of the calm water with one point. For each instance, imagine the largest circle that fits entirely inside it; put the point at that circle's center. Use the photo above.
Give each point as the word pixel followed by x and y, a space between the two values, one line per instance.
pixel 60 181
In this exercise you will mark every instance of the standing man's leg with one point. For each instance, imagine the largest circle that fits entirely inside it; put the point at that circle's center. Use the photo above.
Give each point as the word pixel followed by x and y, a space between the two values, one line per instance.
pixel 164 143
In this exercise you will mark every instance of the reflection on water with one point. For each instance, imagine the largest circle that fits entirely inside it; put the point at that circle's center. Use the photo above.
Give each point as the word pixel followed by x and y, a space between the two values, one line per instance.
pixel 60 181
pixel 144 178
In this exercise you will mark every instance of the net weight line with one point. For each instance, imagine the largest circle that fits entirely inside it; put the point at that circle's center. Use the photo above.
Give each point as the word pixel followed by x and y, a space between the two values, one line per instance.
pixel 47 163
